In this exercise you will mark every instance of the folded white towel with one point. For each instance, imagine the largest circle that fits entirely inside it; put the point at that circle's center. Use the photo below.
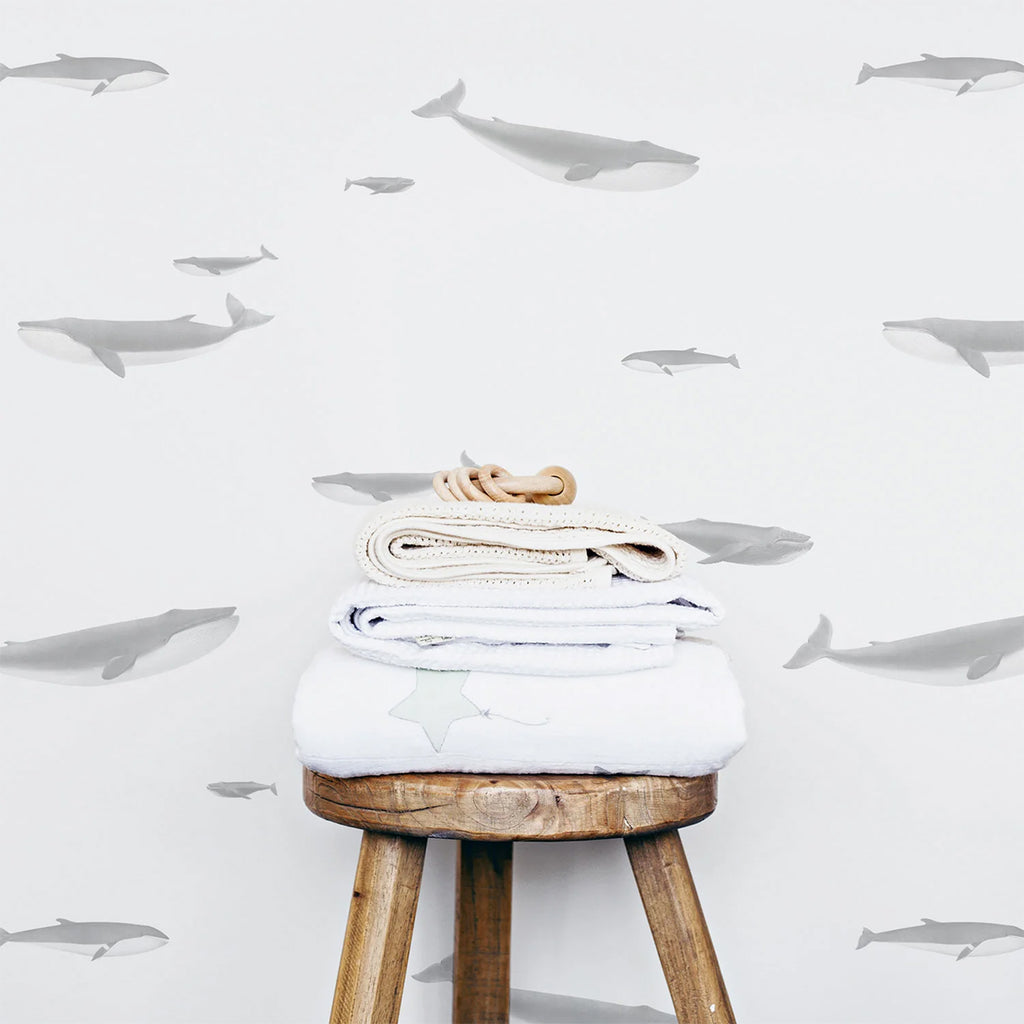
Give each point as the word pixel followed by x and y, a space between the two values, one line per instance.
pixel 355 717
pixel 623 627
pixel 419 541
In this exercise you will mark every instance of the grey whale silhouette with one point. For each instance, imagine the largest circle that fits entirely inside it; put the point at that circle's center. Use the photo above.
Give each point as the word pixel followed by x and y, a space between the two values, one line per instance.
pixel 740 543
pixel 959 939
pixel 672 361
pixel 380 186
pixel 533 1007
pixel 94 939
pixel 120 650
pixel 572 158
pixel 240 790
pixel 116 343
pixel 97 74
pixel 217 266
pixel 962 74
pixel 981 652
pixel 367 488
pixel 978 343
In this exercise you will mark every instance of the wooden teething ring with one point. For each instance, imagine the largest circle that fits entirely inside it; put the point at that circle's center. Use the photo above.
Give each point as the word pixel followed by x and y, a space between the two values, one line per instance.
pixel 553 485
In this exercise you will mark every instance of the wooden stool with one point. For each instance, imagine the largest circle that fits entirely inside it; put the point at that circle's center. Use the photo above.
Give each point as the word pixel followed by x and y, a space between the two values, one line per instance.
pixel 487 813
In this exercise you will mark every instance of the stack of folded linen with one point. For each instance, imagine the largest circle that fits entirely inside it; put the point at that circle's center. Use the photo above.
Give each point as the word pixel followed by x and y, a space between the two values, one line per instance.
pixel 518 638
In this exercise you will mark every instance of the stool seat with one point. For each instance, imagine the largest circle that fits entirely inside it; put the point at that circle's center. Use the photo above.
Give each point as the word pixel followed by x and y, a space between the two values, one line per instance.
pixel 487 814
pixel 511 807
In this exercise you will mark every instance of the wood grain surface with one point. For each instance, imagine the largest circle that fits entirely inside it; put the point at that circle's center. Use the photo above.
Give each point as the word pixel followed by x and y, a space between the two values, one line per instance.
pixel 511 807
pixel 375 956
pixel 483 933
pixel 680 931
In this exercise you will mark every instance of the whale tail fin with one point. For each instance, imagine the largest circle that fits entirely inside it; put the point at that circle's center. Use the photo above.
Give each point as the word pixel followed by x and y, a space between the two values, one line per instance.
pixel 4 935
pixel 4 71
pixel 866 936
pixel 273 788
pixel 818 646
pixel 445 105
pixel 866 71
pixel 735 362
pixel 348 184
pixel 242 317
pixel 266 253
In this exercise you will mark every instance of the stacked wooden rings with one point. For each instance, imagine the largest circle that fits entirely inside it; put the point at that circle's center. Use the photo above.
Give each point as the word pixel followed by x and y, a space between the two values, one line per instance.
pixel 553 485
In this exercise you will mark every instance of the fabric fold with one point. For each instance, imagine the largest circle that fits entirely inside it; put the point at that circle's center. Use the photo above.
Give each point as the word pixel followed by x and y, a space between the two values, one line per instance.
pixel 524 545
pixel 354 717
pixel 624 627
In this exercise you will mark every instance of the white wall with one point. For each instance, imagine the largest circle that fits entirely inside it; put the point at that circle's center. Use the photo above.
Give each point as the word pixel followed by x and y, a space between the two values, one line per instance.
pixel 820 210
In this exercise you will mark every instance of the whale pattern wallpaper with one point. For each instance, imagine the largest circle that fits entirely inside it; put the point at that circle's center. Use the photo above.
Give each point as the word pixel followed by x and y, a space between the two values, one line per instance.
pixel 452 229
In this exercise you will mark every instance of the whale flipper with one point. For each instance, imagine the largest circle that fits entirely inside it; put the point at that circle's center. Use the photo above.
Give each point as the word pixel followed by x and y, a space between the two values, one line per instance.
pixel 118 666
pixel 729 551
pixel 100 952
pixel 982 666
pixel 99 88
pixel 966 951
pixel 111 360
pixel 582 172
pixel 966 87
pixel 975 360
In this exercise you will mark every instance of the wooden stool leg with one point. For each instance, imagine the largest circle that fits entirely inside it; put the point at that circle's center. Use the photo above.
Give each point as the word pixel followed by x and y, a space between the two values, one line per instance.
pixel 483 933
pixel 680 931
pixel 376 951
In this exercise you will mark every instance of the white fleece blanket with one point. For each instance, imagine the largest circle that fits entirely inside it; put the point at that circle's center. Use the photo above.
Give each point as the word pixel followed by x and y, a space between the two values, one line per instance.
pixel 623 627
pixel 357 717
pixel 420 541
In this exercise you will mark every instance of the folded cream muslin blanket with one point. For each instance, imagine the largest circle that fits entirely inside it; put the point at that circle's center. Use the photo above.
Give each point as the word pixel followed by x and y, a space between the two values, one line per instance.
pixel 357 717
pixel 623 627
pixel 528 545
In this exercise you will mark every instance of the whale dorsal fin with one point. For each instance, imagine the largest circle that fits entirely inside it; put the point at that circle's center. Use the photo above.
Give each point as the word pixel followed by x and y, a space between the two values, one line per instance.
pixel 188 316
pixel 983 665
pixel 694 349
pixel 118 666
pixel 928 920
pixel 930 56
pixel 64 920
pixel 65 56
pixel 499 120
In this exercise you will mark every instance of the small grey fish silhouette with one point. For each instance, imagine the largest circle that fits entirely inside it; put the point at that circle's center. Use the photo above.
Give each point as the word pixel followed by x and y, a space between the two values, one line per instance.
pixel 962 74
pixel 737 542
pixel 381 186
pixel 544 1007
pixel 117 343
pixel 673 361
pixel 984 651
pixel 960 939
pixel 244 790
pixel 218 266
pixel 97 74
pixel 94 939
pixel 978 343
pixel 573 158
pixel 121 650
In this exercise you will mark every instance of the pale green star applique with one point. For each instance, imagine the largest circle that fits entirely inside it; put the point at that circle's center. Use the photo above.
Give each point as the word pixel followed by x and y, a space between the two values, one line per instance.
pixel 436 702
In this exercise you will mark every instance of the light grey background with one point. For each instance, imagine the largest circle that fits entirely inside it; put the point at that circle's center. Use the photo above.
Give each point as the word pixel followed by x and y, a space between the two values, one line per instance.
pixel 820 210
